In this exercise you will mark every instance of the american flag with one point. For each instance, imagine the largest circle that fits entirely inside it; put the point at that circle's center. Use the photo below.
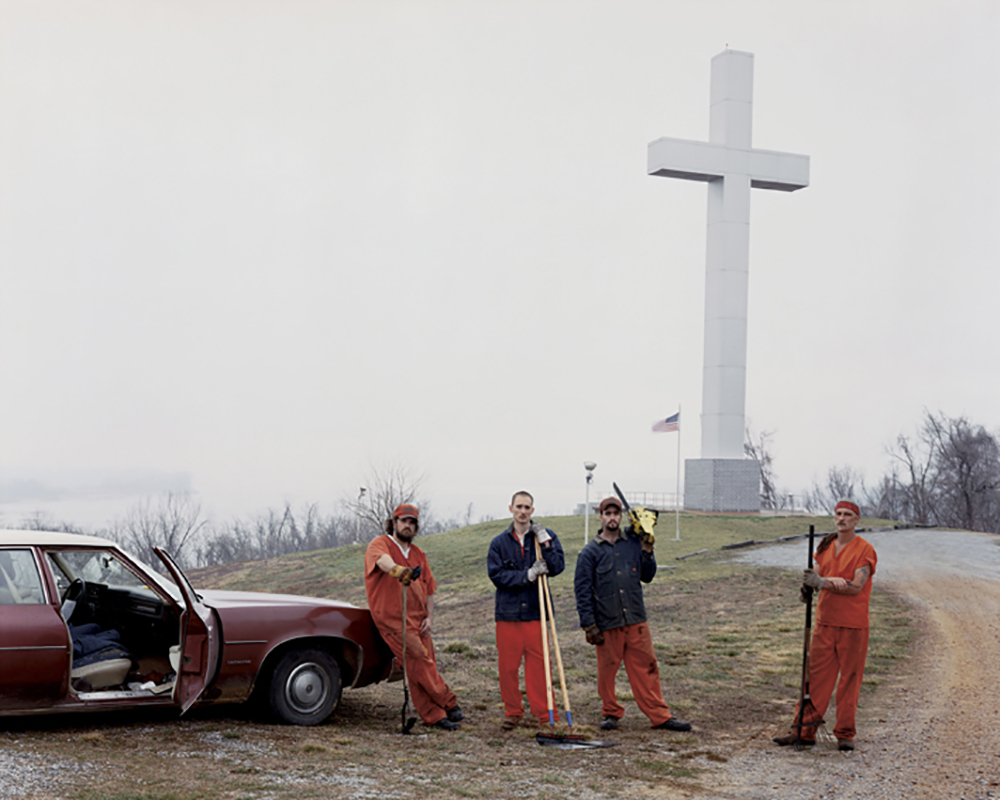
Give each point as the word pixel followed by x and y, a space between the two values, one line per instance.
pixel 668 425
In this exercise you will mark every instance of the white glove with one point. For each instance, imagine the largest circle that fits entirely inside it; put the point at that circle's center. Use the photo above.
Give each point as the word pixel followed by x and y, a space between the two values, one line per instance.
pixel 541 534
pixel 538 568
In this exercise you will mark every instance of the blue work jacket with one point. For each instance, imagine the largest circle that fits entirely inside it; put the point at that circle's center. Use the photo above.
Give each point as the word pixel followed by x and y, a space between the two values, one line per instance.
pixel 607 582
pixel 507 565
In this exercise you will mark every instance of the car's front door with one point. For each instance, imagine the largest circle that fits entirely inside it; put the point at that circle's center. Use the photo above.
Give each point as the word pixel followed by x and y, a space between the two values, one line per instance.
pixel 199 640
pixel 34 642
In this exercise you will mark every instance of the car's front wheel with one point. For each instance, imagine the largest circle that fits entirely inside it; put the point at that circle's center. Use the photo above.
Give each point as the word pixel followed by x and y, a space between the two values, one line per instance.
pixel 305 687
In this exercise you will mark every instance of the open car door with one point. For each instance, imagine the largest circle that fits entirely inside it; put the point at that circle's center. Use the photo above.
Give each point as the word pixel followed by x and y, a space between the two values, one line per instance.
pixel 199 640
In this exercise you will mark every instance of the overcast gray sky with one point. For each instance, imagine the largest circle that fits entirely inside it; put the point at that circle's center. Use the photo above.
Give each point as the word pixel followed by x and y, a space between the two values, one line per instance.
pixel 251 247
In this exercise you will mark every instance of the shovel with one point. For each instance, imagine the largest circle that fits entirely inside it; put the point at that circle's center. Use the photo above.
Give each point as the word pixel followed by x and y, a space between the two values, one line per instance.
pixel 409 718
pixel 561 741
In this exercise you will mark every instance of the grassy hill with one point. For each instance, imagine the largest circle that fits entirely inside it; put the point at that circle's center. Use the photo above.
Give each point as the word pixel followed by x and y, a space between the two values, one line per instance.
pixel 728 638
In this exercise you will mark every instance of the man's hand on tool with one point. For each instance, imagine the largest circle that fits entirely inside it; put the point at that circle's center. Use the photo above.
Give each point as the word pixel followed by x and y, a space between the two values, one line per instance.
pixel 805 593
pixel 812 579
pixel 402 574
pixel 594 635
pixel 538 568
pixel 647 542
pixel 541 534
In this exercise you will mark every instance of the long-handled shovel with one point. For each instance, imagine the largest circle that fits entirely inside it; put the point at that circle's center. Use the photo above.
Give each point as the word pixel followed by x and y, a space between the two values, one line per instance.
pixel 409 718
pixel 804 696
pixel 563 741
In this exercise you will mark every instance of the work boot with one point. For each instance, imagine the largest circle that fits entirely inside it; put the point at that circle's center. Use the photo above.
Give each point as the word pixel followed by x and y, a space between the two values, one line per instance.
pixel 791 738
pixel 446 724
pixel 455 714
pixel 674 724
pixel 509 723
pixel 845 744
pixel 609 724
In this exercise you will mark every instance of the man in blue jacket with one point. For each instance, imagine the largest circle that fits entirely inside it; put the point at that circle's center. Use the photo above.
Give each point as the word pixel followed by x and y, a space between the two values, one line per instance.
pixel 613 616
pixel 514 568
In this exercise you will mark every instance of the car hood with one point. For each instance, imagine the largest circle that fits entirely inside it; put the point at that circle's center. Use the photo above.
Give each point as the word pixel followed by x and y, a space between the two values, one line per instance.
pixel 221 599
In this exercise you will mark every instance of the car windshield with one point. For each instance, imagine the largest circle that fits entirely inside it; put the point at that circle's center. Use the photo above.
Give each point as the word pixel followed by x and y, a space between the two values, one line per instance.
pixel 104 566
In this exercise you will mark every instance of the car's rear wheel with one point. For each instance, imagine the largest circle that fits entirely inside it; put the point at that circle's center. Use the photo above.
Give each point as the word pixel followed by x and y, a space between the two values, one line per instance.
pixel 305 687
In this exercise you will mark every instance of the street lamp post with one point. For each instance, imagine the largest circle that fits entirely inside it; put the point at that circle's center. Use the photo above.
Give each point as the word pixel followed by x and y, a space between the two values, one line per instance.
pixel 590 466
pixel 357 518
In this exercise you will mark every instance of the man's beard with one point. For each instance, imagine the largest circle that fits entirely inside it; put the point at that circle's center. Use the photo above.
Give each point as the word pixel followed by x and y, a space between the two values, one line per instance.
pixel 611 526
pixel 405 536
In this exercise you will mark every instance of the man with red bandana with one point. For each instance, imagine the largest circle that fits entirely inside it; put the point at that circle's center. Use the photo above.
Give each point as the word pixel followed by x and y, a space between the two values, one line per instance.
pixel 390 564
pixel 845 564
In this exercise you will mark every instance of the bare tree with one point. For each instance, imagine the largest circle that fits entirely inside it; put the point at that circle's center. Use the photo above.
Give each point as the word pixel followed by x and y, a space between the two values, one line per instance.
pixel 758 447
pixel 384 488
pixel 967 473
pixel 842 483
pixel 172 523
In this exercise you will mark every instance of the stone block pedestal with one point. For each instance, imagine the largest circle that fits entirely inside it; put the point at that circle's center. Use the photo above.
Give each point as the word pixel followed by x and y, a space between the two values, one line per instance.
pixel 721 484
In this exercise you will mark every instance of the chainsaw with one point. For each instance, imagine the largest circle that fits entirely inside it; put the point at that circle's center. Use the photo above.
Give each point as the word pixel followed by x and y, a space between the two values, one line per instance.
pixel 643 519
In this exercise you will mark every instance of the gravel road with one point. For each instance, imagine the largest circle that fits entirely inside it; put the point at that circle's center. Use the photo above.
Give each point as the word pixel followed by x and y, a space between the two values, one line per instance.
pixel 938 735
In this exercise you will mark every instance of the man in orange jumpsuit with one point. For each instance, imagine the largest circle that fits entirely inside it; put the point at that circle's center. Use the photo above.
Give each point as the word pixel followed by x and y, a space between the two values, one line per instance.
pixel 390 562
pixel 845 564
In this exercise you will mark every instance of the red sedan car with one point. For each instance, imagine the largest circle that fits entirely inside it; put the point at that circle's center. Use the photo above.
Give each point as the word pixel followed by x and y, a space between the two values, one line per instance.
pixel 85 627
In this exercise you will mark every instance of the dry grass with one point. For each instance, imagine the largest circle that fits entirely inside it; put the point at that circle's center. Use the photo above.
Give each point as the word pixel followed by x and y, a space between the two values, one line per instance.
pixel 728 637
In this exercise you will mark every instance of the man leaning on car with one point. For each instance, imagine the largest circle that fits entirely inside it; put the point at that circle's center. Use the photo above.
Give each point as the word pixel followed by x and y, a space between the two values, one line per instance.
pixel 390 565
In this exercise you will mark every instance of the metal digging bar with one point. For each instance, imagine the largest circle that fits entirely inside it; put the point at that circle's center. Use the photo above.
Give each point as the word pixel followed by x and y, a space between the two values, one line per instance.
pixel 409 718
pixel 804 696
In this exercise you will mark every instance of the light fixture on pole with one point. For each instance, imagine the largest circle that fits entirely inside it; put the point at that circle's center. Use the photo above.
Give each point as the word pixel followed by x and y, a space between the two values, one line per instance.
pixel 590 466
pixel 357 518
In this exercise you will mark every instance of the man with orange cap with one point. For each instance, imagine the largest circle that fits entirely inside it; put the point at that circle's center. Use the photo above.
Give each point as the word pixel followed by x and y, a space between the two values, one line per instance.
pixel 393 565
pixel 613 616
pixel 845 564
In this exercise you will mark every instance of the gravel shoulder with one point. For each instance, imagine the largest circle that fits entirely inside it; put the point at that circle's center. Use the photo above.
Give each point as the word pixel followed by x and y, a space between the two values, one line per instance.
pixel 934 730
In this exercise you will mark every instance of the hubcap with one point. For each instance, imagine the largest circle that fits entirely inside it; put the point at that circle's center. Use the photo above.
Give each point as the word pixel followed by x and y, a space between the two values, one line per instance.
pixel 307 688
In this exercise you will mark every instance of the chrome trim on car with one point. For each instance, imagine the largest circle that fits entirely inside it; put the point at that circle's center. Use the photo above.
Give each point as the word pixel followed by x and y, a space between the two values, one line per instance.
pixel 39 647
pixel 249 641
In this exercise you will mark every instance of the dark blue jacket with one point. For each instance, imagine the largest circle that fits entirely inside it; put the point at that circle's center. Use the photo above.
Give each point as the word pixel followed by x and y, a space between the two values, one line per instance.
pixel 607 582
pixel 507 564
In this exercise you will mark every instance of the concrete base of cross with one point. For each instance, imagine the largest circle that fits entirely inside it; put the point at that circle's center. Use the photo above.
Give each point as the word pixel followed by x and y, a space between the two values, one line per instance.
pixel 721 484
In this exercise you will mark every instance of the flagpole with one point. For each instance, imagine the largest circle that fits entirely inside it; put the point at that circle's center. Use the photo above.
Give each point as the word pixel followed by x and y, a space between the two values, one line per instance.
pixel 677 494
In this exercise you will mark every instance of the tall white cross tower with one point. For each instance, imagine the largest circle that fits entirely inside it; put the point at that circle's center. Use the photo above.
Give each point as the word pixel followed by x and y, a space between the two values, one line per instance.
pixel 722 480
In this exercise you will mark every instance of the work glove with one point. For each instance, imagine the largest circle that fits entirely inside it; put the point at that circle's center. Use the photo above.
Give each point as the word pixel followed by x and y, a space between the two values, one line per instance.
pixel 538 568
pixel 812 579
pixel 402 574
pixel 594 635
pixel 805 594
pixel 541 534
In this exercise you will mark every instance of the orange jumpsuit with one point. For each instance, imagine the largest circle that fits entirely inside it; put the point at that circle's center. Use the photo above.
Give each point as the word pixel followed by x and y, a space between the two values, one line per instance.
pixel 840 639
pixel 431 696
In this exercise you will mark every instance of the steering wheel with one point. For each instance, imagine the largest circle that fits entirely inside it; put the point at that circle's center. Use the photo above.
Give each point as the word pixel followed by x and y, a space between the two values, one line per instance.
pixel 76 590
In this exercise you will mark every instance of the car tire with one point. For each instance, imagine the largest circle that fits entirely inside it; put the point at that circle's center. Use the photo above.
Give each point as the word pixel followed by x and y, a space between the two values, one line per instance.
pixel 305 687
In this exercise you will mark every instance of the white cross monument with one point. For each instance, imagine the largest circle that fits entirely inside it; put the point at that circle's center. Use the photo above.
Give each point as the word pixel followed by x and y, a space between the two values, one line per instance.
pixel 722 479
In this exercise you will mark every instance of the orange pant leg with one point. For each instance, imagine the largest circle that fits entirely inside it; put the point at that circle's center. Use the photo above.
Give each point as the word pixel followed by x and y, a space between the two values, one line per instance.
pixel 517 641
pixel 428 691
pixel 835 652
pixel 644 673
pixel 609 657
pixel 852 651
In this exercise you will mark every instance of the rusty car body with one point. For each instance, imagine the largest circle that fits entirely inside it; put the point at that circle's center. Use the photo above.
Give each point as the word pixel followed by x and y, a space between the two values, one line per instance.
pixel 160 642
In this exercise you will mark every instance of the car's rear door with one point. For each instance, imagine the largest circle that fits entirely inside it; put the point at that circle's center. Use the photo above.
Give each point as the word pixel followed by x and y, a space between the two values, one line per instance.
pixel 34 641
pixel 199 643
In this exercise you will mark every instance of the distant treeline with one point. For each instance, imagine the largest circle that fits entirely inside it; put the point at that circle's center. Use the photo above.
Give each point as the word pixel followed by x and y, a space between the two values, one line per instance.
pixel 947 475
pixel 175 523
